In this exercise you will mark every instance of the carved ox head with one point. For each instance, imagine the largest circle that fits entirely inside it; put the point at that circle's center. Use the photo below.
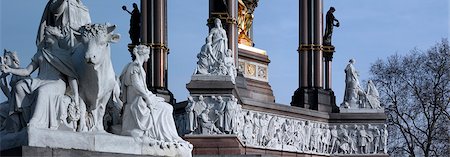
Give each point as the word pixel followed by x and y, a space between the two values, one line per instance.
pixel 95 39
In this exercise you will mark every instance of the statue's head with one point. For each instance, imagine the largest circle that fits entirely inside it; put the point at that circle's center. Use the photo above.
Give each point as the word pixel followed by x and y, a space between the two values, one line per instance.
pixel 11 59
pixel 332 9
pixel 135 6
pixel 141 51
pixel 352 61
pixel 200 98
pixel 218 23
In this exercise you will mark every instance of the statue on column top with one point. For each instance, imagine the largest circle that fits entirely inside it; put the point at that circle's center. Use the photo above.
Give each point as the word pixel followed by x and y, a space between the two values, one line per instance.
pixel 135 24
pixel 245 20
pixel 329 24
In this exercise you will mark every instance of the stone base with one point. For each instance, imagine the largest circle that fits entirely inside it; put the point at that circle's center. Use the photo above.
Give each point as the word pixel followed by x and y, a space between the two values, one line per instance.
pixel 315 99
pixel 29 151
pixel 360 110
pixel 210 84
pixel 100 142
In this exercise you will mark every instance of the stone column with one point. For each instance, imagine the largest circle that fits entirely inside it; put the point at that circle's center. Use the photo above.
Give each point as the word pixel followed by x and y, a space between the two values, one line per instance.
pixel 328 55
pixel 154 34
pixel 310 93
pixel 317 48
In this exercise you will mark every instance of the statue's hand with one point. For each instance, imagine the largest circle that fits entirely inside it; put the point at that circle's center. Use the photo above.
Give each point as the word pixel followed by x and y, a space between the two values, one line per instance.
pixel 5 69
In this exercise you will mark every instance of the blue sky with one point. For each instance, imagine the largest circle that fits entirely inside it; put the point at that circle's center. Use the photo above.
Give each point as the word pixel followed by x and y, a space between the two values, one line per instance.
pixel 370 30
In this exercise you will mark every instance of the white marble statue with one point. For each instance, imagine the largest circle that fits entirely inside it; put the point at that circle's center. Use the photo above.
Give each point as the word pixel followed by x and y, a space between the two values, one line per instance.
pixel 220 112
pixel 145 115
pixel 9 118
pixel 191 116
pixel 97 80
pixel 67 15
pixel 363 140
pixel 376 140
pixel 207 126
pixel 353 90
pixel 384 139
pixel 373 96
pixel 334 140
pixel 306 136
pixel 355 97
pixel 40 98
pixel 230 117
pixel 205 58
pixel 215 58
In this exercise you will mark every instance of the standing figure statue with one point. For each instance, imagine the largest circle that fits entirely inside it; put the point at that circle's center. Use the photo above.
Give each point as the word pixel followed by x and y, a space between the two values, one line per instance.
pixel 191 116
pixel 219 41
pixel 67 15
pixel 353 92
pixel 145 115
pixel 329 24
pixel 135 24
pixel 230 112
pixel 373 95
pixel 39 99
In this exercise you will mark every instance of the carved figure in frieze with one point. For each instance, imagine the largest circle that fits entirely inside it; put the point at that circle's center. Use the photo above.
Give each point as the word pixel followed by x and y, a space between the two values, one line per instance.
pixel 343 139
pixel 334 139
pixel 376 140
pixel 191 116
pixel 207 126
pixel 384 139
pixel 363 140
pixel 308 130
pixel 220 112
pixel 300 135
pixel 326 140
pixel 248 129
pixel 262 135
pixel 230 113
pixel 353 139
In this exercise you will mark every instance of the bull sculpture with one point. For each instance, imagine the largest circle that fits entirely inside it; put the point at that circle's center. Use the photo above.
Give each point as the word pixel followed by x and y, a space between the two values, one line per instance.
pixel 97 81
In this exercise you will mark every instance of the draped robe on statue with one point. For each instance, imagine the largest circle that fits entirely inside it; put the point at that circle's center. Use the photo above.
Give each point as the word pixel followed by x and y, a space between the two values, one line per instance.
pixel 68 15
pixel 46 92
pixel 154 121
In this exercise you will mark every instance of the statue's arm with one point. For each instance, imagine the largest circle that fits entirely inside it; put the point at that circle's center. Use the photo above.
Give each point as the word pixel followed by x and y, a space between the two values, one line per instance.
pixel 140 88
pixel 73 83
pixel 21 72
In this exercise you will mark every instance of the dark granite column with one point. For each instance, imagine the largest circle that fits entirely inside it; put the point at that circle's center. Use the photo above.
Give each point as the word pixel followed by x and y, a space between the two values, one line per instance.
pixel 310 93
pixel 154 34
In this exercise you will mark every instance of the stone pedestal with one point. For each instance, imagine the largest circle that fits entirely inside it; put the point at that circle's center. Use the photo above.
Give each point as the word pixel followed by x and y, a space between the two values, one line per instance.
pixel 315 99
pixel 44 141
pixel 254 81
pixel 210 85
